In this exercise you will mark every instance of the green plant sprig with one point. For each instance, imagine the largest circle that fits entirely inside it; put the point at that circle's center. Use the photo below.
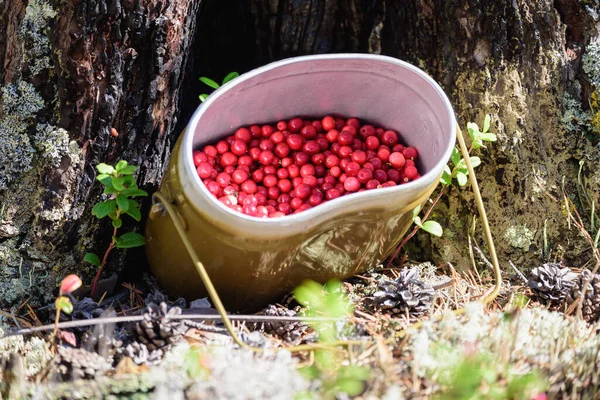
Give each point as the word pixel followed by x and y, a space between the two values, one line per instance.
pixel 329 301
pixel 459 172
pixel 214 85
pixel 118 182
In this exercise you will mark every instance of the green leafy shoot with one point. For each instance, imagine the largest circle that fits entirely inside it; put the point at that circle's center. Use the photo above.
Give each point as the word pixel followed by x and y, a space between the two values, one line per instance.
pixel 431 227
pixel 214 85
pixel 119 183
pixel 329 302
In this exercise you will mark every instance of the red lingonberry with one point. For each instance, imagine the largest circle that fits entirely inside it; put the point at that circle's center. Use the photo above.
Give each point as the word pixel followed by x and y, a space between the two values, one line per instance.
pixel 345 151
pixel 273 192
pixel 281 126
pixel 308 132
pixel 410 172
pixel 266 157
pixel 367 131
pixel 345 138
pixel 364 175
pixel 228 159
pixel 359 157
pixel 397 160
pixel 295 141
pixel 383 154
pixel 301 158
pixel 332 135
pixel 380 175
pixel 223 179
pixel 282 173
pixel 204 170
pixel 296 203
pixel 267 131
pixel 372 184
pixel 255 131
pixel 266 144
pixel 199 157
pixel 210 151
pixel 286 162
pixel 398 148
pixel 393 175
pixel 239 176
pixel 295 124
pixel 354 122
pixel 335 171
pixel 222 147
pixel 243 134
pixel 258 175
pixel 372 142
pixel 318 159
pixel 328 123
pixel 270 181
pixel 339 123
pixel 351 184
pixel 352 168
pixel 307 169
pixel 284 185
pixel 277 137
pixel 410 153
pixel 332 194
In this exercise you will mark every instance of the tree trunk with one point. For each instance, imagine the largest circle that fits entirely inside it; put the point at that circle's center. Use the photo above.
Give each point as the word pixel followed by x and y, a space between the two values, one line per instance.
pixel 74 69
pixel 71 71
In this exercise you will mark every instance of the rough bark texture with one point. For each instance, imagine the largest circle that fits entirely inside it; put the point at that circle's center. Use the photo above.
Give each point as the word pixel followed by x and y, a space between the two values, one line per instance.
pixel 69 73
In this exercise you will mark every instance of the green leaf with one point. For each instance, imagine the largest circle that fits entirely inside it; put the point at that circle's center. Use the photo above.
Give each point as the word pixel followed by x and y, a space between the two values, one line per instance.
pixel 113 214
pixel 433 227
pixel 117 222
pixel 129 240
pixel 101 210
pixel 118 183
pixel 446 178
pixel 120 165
pixel 64 304
pixel 110 190
pixel 129 181
pixel 488 137
pixel 122 202
pixel 354 372
pixel 92 259
pixel 209 82
pixel 455 157
pixel 134 211
pixel 105 168
pixel 417 221
pixel 309 373
pixel 473 129
pixel 486 123
pixel 134 192
pixel 475 161
pixel 461 178
pixel 308 293
pixel 230 76
pixel 351 387
pixel 477 143
pixel 128 170
pixel 105 179
pixel 416 211
pixel 203 97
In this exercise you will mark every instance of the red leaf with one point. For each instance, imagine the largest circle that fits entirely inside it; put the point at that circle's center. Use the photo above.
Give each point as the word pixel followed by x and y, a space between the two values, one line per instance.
pixel 70 283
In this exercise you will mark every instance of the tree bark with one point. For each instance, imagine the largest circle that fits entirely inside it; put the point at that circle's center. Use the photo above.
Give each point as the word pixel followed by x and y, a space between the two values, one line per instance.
pixel 72 70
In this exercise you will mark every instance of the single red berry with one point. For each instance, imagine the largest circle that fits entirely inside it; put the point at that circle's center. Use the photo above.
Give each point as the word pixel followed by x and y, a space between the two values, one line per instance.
pixel 310 180
pixel 308 132
pixel 301 158
pixel 282 173
pixel 315 200
pixel 332 161
pixel 332 135
pixel 393 175
pixel 410 172
pixel 307 169
pixel 255 131
pixel 364 175
pixel 239 147
pixel 254 153
pixel 319 171
pixel 239 176
pixel 372 184
pixel 345 138
pixel 281 126
pixel 389 138
pixel 213 187
pixel 328 123
pixel 266 157
pixel 322 142
pixel 266 131
pixel 223 179
pixel 302 191
pixel 266 144
pixel 258 175
pixel 295 124
pixel 345 151
pixel 243 134
pixel 332 194
pixel 380 175
pixel 294 170
pixel 410 153
pixel 269 169
pixel 273 193
pixel 222 147
pixel 229 169
pixel 383 154
pixel 285 208
pixel 372 142
pixel 277 137
pixel 199 157
pixel 354 122
pixel 409 162
pixel 284 185
pixel 295 141
pixel 210 151
pixel 376 162
pixel 261 198
pixel 397 160
pixel 296 203
pixel 296 181
pixel 367 131
pixel 270 181
pixel 204 170
pixel 228 159
pixel 369 166
pixel 339 123
pixel 311 147
pixel 359 157
pixel 318 159
pixel 349 128
pixel 318 126
pixel 276 214
pixel 245 161
pixel 335 171
pixel 352 168
pixel 286 162
pixel 398 147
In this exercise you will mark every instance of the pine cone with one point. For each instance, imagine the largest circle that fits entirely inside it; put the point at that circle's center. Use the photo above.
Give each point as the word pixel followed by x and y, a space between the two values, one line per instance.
pixel 80 364
pixel 550 283
pixel 157 298
pixel 291 332
pixel 157 330
pixel 405 294
pixel 140 354
pixel 591 303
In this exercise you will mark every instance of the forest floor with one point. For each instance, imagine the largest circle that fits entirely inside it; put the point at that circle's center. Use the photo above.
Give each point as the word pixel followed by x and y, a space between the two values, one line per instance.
pixel 411 332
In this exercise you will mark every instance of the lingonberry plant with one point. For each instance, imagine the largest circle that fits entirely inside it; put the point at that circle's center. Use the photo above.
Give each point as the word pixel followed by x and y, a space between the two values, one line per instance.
pixel 214 85
pixel 330 302
pixel 62 302
pixel 119 183
pixel 459 172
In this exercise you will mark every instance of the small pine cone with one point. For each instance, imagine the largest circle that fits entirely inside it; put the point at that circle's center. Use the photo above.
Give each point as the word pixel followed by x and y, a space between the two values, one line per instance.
pixel 140 354
pixel 80 364
pixel 157 298
pixel 551 282
pixel 291 332
pixel 157 329
pixel 591 303
pixel 405 294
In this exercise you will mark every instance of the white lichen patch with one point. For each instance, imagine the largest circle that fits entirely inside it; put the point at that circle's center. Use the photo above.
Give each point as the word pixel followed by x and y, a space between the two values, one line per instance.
pixel 591 62
pixel 20 103
pixel 51 142
pixel 519 236
pixel 33 32
pixel 35 351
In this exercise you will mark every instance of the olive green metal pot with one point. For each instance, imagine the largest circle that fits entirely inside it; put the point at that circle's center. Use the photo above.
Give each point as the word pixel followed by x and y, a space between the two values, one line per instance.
pixel 253 261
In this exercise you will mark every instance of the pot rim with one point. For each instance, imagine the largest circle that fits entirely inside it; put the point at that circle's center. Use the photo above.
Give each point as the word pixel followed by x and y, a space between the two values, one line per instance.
pixel 222 215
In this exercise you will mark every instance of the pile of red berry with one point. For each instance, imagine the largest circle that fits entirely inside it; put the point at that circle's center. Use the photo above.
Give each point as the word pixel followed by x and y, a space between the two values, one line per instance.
pixel 272 171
